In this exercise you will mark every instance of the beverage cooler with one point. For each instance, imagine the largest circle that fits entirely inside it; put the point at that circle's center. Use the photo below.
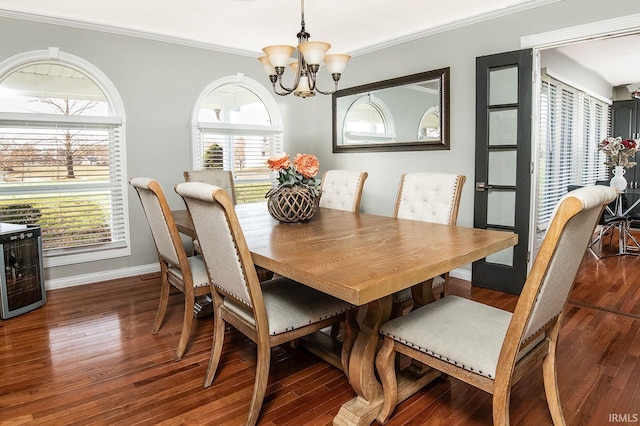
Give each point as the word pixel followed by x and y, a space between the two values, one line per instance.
pixel 22 287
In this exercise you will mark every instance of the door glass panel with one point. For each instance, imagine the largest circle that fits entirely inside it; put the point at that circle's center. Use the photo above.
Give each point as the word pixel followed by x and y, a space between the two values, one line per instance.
pixel 503 127
pixel 504 257
pixel 502 167
pixel 503 86
pixel 501 208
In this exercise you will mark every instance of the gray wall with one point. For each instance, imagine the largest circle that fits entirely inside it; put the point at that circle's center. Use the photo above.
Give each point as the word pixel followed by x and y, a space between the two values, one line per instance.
pixel 456 49
pixel 160 82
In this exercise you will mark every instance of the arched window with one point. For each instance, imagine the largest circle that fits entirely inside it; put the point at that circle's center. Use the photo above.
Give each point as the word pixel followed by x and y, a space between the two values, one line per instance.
pixel 237 126
pixel 368 120
pixel 62 156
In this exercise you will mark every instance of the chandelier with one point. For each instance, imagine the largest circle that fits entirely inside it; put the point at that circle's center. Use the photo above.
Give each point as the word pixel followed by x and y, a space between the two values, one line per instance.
pixel 310 56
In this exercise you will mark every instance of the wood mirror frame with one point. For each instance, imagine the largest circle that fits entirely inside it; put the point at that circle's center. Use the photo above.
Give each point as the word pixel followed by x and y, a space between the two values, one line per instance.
pixel 401 104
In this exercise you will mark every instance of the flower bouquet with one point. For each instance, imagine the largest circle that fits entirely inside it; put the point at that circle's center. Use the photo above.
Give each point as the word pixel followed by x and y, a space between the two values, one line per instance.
pixel 296 197
pixel 618 152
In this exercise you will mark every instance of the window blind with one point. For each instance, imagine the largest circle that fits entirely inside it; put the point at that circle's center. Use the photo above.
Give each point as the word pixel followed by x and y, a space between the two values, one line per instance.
pixel 572 123
pixel 243 149
pixel 67 177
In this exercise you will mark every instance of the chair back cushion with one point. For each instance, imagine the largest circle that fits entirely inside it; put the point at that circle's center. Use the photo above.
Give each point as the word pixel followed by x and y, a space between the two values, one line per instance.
pixel 217 241
pixel 342 189
pixel 156 210
pixel 429 197
pixel 220 178
pixel 561 253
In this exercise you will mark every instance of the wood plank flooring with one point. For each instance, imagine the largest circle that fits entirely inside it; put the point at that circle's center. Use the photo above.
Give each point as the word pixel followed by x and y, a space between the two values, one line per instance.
pixel 87 357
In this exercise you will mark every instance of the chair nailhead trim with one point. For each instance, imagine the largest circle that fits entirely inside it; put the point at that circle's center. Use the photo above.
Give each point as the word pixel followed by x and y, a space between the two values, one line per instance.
pixel 435 355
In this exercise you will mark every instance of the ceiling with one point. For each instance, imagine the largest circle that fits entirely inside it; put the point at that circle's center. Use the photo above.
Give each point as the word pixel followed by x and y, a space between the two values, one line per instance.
pixel 249 25
pixel 615 59
pixel 351 26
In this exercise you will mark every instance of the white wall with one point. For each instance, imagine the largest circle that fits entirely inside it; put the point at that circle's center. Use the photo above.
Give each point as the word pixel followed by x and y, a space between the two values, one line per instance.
pixel 574 73
pixel 160 82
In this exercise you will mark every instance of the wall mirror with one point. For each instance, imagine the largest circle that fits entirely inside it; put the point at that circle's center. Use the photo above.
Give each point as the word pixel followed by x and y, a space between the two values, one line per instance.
pixel 409 113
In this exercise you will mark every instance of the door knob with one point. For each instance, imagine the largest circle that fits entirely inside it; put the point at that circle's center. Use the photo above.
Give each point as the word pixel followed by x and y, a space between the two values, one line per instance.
pixel 481 186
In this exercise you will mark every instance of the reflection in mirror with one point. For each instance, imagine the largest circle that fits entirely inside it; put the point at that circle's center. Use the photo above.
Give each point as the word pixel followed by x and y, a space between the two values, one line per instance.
pixel 406 113
pixel 368 119
pixel 429 129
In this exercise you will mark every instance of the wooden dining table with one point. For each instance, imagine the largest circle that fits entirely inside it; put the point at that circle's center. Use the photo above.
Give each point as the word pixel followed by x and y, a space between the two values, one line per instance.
pixel 362 259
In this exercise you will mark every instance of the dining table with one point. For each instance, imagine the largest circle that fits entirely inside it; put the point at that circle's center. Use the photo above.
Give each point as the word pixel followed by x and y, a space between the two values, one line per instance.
pixel 363 259
pixel 627 200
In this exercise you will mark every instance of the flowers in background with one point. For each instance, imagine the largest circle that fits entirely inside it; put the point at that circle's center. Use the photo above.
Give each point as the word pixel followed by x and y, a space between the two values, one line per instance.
pixel 302 172
pixel 618 151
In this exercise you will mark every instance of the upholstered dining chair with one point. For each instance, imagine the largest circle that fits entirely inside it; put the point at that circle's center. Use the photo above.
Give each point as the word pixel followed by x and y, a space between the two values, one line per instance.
pixel 342 189
pixel 187 274
pixel 269 313
pixel 490 348
pixel 429 197
pixel 217 177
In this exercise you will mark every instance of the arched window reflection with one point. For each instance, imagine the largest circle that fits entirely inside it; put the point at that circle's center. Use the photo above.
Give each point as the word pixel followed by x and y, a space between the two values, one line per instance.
pixel 368 120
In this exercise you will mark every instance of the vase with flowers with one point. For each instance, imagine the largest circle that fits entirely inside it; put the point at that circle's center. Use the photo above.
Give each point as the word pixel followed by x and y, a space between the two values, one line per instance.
pixel 297 195
pixel 619 152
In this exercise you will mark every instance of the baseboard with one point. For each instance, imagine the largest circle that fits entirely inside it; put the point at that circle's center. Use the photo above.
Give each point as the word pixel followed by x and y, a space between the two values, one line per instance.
pixel 76 280
pixel 95 277
pixel 462 274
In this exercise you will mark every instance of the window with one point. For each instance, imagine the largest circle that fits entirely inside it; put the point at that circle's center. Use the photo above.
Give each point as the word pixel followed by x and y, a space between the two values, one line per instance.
pixel 368 120
pixel 572 123
pixel 62 152
pixel 237 127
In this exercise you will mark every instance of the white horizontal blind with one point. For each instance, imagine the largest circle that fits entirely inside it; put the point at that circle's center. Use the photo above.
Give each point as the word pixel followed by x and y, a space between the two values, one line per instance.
pixel 67 178
pixel 572 123
pixel 242 149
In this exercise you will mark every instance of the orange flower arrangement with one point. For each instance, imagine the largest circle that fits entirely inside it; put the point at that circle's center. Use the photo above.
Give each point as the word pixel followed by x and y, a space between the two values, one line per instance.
pixel 303 171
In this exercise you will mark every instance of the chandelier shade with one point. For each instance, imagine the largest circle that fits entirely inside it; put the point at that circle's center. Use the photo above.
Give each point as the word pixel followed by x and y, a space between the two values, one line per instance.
pixel 310 56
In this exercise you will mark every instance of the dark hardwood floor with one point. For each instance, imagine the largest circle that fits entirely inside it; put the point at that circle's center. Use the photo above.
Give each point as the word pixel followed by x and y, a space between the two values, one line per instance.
pixel 87 357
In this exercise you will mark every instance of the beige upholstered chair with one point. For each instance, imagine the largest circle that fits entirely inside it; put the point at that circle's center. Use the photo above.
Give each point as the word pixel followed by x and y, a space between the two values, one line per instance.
pixel 342 189
pixel 217 177
pixel 274 312
pixel 429 197
pixel 487 347
pixel 184 273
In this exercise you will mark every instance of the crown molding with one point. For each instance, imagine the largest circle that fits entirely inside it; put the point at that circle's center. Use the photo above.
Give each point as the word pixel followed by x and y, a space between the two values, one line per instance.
pixel 456 25
pixel 111 29
pixel 611 27
pixel 72 23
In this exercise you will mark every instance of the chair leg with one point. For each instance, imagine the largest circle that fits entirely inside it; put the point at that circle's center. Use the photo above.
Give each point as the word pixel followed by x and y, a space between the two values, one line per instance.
pixel 398 308
pixel 386 365
pixel 501 400
pixel 216 346
pixel 551 388
pixel 164 300
pixel 187 323
pixel 260 385
pixel 550 377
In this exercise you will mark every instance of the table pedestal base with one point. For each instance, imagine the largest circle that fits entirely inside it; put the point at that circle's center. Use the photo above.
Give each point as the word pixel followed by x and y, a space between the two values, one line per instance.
pixel 360 412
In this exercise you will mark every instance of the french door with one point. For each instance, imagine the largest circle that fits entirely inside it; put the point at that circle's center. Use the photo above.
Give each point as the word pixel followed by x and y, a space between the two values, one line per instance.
pixel 503 164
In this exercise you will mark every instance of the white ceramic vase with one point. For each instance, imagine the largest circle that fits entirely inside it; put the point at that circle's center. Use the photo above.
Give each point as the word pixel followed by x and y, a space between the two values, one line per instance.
pixel 618 181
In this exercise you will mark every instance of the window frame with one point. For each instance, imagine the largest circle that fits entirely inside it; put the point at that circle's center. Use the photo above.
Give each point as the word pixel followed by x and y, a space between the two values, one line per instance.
pixel 116 120
pixel 275 130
